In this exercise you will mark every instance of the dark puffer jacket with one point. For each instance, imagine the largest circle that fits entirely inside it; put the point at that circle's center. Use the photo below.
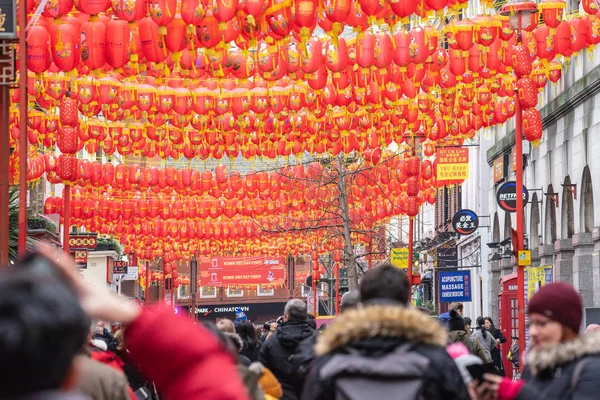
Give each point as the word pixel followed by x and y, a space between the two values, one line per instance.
pixel 549 372
pixel 371 334
pixel 292 338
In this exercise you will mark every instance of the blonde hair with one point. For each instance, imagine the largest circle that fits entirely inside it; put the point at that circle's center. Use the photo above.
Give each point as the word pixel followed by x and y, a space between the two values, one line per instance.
pixel 226 325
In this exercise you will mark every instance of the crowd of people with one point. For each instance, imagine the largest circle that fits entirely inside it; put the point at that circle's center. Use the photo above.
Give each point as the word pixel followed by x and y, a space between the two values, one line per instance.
pixel 61 339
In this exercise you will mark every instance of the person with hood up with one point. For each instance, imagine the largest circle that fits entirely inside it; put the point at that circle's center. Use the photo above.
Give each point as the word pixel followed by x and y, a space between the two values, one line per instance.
pixel 293 338
pixel 458 334
pixel 384 349
pixel 560 363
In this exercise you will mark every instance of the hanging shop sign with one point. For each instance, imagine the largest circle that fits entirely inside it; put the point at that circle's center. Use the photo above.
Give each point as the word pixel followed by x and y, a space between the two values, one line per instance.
pixel 513 159
pixel 81 258
pixel 260 270
pixel 507 196
pixel 120 267
pixel 455 286
pixel 452 163
pixel 8 19
pixel 399 257
pixel 447 257
pixel 465 222
pixel 132 273
pixel 498 169
pixel 83 242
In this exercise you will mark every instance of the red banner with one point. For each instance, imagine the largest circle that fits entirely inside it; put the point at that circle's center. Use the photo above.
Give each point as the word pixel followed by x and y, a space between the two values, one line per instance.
pixel 217 271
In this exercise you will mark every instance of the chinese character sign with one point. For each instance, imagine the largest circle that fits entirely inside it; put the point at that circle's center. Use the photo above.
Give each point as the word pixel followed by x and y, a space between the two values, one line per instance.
pixel 455 286
pixel 452 164
pixel 465 222
pixel 535 278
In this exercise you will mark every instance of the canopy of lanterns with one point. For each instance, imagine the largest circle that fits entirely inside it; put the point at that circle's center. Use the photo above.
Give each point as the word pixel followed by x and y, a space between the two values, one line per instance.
pixel 189 80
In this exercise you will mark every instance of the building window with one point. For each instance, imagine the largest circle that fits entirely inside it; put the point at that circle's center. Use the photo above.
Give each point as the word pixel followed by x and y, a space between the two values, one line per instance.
pixel 237 292
pixel 264 292
pixel 208 292
pixel 324 288
pixel 183 291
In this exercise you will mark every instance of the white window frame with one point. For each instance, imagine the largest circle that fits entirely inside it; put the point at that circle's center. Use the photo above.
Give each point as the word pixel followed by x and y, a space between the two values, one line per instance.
pixel 240 294
pixel 261 292
pixel 180 289
pixel 323 288
pixel 210 295
pixel 305 290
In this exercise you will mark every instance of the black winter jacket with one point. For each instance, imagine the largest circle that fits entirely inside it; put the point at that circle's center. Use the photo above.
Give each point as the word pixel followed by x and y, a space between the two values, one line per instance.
pixel 252 353
pixel 375 331
pixel 497 351
pixel 549 372
pixel 292 338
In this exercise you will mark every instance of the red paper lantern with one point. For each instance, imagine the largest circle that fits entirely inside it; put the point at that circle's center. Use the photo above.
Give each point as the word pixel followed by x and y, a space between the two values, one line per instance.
pixel 208 31
pixel 162 12
pixel 532 125
pixel 405 8
pixel 68 111
pixel 66 41
pixel 528 92
pixel 129 10
pixel 66 168
pixel 117 51
pixel 412 207
pixel 57 8
pixel 175 37
pixel 38 45
pixel 552 12
pixel 152 44
pixel 92 7
pixel 544 39
pixel 522 60
pixel 562 39
pixel 93 36
pixel 224 10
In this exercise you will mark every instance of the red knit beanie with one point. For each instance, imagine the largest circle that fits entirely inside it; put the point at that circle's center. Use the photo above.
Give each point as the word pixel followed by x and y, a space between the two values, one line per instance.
pixel 560 302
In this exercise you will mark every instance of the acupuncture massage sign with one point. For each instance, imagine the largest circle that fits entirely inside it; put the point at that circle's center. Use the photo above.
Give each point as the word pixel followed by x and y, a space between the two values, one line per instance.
pixel 455 286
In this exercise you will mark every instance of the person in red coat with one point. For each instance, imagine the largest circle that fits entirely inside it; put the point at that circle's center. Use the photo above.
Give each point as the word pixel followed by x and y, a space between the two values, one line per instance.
pixel 184 360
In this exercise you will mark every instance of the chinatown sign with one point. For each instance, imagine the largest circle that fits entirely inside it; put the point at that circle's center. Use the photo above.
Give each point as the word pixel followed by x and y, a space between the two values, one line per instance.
pixel 260 270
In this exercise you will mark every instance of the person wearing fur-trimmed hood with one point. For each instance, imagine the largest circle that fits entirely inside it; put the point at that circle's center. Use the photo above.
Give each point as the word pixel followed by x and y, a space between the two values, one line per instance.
pixel 384 348
pixel 560 363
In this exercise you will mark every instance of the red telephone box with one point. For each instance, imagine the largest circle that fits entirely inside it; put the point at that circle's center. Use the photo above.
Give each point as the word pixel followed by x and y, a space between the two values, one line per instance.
pixel 508 311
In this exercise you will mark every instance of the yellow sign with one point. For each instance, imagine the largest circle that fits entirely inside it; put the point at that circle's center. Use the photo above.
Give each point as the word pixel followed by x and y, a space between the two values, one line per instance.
pixel 452 164
pixel 448 172
pixel 524 258
pixel 399 257
pixel 536 278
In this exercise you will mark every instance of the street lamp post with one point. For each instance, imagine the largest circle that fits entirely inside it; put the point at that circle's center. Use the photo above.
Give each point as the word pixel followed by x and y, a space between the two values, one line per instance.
pixel 520 18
